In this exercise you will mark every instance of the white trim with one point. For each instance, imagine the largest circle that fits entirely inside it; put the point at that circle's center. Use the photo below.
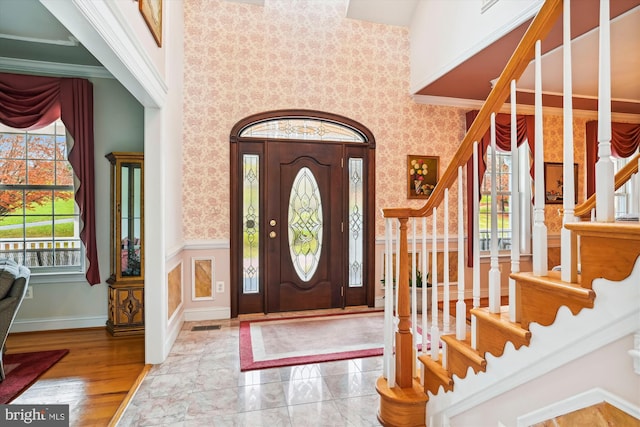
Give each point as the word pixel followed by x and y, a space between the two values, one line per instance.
pixel 54 323
pixel 71 41
pixel 209 313
pixel 522 108
pixel 193 278
pixel 172 332
pixel 198 245
pixel 575 403
pixel 500 32
pixel 53 68
pixel 101 28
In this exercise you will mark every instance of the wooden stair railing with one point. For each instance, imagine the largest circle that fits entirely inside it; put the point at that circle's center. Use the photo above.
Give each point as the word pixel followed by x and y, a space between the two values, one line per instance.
pixel 400 404
pixel 584 209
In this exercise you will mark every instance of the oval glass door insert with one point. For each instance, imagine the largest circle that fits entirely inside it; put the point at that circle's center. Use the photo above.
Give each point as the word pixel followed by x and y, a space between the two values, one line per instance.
pixel 305 224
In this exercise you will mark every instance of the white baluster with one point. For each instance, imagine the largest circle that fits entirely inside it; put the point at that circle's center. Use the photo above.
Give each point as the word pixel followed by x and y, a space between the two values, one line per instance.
pixel 494 271
pixel 514 205
pixel 476 243
pixel 461 306
pixel 540 255
pixel 414 294
pixel 445 283
pixel 435 333
pixel 605 187
pixel 568 241
pixel 425 290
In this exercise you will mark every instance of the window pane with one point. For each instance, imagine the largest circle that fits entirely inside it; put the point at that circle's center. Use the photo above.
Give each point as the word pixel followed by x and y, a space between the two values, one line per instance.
pixel 250 223
pixel 63 203
pixel 305 224
pixel 295 128
pixel 41 147
pixel 11 202
pixel 39 202
pixel 13 172
pixel 356 211
pixel 40 172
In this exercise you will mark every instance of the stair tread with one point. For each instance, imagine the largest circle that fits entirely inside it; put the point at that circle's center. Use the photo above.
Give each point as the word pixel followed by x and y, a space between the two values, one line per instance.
pixel 464 347
pixel 552 282
pixel 502 320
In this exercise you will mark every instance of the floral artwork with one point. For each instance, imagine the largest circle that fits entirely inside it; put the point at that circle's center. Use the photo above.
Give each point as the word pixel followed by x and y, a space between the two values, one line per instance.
pixel 423 176
pixel 554 185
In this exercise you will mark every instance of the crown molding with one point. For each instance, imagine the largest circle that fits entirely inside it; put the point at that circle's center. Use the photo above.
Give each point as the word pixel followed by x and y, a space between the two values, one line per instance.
pixel 29 66
pixel 521 108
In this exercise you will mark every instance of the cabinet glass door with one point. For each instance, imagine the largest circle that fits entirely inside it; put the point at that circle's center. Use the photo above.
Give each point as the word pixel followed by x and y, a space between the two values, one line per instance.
pixel 131 219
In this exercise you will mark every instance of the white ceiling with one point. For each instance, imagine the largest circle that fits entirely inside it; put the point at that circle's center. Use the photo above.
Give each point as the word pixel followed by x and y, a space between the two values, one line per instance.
pixel 390 12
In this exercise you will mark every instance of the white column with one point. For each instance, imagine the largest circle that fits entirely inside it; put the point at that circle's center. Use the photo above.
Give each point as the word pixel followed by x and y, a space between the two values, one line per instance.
pixel 514 205
pixel 605 187
pixel 540 255
pixel 568 243
pixel 494 271
pixel 461 306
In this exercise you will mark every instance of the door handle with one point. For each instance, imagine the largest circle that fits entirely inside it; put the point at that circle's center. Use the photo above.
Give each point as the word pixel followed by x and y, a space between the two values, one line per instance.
pixel 272 223
pixel 272 234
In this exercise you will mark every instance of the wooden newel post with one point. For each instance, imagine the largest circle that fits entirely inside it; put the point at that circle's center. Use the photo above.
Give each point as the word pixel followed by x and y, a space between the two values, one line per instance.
pixel 404 339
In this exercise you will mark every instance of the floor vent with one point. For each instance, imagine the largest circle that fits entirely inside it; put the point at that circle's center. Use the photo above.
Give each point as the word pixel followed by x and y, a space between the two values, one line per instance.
pixel 206 328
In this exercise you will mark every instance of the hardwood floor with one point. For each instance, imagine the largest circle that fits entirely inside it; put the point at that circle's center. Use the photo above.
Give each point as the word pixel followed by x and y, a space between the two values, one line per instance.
pixel 93 379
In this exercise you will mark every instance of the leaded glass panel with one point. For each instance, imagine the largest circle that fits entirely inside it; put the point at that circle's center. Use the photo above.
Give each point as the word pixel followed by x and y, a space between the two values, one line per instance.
pixel 305 224
pixel 250 223
pixel 356 210
pixel 302 129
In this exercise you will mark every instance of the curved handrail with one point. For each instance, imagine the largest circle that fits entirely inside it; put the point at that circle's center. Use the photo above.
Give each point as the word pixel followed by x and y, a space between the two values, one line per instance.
pixel 539 28
pixel 583 210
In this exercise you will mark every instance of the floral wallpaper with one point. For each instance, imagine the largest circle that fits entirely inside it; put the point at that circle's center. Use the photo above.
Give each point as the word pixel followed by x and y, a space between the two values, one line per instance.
pixel 241 59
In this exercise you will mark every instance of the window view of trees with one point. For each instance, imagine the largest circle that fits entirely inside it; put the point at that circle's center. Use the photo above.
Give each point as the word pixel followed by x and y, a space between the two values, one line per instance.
pixel 503 194
pixel 39 221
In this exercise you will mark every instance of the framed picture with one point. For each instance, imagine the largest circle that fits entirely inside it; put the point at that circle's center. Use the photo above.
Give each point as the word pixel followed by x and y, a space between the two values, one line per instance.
pixel 422 176
pixel 554 182
pixel 151 11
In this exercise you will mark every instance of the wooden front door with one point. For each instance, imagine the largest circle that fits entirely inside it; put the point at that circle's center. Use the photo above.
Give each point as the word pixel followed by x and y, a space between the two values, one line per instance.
pixel 304 248
pixel 302 203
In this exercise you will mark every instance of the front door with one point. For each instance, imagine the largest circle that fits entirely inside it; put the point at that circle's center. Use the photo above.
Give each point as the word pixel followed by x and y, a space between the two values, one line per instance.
pixel 302 203
pixel 305 251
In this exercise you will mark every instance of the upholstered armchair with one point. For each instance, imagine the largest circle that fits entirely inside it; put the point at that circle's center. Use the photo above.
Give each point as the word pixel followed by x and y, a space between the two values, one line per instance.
pixel 14 279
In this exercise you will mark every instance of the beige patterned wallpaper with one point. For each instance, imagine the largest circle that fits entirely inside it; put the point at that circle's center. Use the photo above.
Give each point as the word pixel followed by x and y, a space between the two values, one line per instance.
pixel 242 59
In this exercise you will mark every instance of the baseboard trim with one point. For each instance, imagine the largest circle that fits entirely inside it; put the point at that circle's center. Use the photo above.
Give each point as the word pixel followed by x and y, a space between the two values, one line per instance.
pixel 53 323
pixel 213 313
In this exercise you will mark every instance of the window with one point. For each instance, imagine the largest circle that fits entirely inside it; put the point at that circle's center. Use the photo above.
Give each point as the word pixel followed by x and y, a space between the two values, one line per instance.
pixel 39 220
pixel 504 200
pixel 625 197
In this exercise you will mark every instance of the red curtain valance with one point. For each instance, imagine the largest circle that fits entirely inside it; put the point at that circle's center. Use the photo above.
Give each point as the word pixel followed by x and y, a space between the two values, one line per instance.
pixel 625 138
pixel 32 102
pixel 525 132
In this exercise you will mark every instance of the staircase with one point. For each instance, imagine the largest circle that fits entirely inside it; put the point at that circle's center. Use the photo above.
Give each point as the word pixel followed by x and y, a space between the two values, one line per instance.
pixel 556 321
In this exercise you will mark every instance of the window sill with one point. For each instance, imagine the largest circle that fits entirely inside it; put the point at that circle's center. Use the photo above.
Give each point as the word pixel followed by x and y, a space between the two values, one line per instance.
pixel 485 258
pixel 51 277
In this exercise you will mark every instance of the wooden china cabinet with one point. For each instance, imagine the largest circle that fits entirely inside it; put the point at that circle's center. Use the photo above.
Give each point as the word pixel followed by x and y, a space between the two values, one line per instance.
pixel 126 283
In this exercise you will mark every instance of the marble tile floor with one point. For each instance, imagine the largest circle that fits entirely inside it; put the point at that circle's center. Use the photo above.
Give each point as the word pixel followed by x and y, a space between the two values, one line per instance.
pixel 200 384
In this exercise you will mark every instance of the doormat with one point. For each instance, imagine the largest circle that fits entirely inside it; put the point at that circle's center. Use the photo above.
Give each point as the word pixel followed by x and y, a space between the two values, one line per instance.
pixel 272 343
pixel 23 369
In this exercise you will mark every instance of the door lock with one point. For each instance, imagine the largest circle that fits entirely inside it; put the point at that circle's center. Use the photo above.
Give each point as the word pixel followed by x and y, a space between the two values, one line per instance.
pixel 272 223
pixel 272 234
